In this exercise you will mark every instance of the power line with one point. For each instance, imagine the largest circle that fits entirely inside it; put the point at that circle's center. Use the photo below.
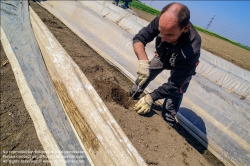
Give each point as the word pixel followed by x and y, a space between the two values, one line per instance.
pixel 221 28
pixel 200 20
pixel 216 21
pixel 224 32
pixel 209 23
pixel 232 33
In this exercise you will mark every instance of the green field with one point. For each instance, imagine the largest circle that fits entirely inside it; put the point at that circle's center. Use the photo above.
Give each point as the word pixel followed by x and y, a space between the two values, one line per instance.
pixel 144 7
pixel 156 12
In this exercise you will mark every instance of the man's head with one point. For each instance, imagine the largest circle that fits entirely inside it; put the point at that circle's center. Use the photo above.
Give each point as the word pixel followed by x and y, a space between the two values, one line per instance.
pixel 174 19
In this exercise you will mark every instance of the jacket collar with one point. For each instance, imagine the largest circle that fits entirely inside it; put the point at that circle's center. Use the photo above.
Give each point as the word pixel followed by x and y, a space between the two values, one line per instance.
pixel 180 43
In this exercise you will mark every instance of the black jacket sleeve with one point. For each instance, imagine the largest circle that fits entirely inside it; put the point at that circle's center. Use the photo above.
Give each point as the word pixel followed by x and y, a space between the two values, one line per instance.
pixel 178 80
pixel 147 34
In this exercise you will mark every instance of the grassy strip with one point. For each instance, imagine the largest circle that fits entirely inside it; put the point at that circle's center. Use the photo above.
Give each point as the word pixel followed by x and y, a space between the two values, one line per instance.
pixel 154 11
pixel 144 7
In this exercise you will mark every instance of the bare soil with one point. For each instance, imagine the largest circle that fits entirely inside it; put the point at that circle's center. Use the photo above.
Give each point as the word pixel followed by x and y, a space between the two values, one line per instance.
pixel 157 142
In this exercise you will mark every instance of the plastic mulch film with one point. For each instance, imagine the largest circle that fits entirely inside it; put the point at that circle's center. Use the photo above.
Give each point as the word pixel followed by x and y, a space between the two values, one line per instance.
pixel 104 140
pixel 37 90
pixel 218 118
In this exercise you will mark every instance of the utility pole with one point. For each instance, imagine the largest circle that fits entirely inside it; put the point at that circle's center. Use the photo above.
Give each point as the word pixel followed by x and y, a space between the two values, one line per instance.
pixel 209 23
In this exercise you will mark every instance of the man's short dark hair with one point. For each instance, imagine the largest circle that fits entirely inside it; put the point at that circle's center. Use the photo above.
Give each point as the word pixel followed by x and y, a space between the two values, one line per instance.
pixel 183 14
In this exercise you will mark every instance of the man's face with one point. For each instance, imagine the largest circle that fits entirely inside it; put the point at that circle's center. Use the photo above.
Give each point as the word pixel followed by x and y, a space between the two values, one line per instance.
pixel 169 28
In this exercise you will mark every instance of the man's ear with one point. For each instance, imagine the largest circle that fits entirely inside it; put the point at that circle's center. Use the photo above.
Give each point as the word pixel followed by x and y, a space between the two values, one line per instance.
pixel 186 28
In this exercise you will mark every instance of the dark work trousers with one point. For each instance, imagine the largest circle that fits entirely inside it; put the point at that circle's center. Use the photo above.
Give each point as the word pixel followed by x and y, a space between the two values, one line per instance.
pixel 171 103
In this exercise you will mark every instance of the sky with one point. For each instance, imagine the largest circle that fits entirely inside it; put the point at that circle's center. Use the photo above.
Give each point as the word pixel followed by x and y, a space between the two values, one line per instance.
pixel 231 18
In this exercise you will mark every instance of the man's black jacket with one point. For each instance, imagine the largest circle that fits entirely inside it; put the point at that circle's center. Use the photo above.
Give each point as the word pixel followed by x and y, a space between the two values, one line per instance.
pixel 181 58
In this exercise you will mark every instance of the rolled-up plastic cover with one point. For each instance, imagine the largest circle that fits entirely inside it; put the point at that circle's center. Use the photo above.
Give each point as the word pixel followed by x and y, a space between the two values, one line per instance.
pixel 36 88
pixel 113 146
pixel 218 119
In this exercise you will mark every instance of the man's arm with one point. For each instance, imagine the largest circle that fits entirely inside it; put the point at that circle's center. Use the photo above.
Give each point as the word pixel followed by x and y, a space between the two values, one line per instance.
pixel 140 52
pixel 144 36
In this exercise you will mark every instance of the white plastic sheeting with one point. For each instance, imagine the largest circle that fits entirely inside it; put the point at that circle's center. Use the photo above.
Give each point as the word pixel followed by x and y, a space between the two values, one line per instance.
pixel 220 120
pixel 36 88
pixel 115 148
pixel 117 15
pixel 225 74
pixel 221 72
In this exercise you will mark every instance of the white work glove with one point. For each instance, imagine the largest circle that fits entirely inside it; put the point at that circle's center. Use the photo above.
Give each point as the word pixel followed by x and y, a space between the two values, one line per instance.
pixel 143 105
pixel 143 71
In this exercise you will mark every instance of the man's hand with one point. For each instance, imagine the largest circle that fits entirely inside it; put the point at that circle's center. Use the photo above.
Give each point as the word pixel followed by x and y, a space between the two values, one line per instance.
pixel 143 105
pixel 143 71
